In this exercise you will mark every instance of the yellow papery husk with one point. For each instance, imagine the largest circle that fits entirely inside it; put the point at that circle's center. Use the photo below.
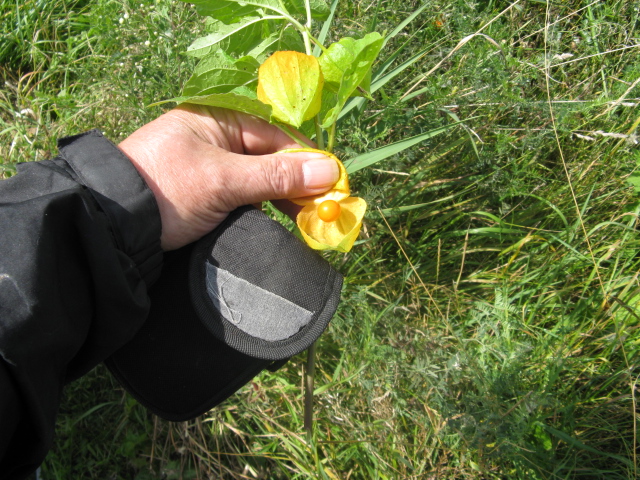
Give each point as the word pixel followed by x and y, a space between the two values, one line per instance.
pixel 339 235
pixel 291 82
pixel 338 192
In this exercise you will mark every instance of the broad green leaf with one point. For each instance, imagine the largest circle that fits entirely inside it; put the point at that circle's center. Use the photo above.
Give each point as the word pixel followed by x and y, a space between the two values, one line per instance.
pixel 542 436
pixel 291 82
pixel 232 11
pixel 328 102
pixel 287 39
pixel 319 8
pixel 349 57
pixel 634 180
pixel 240 100
pixel 379 154
pixel 346 66
pixel 223 10
pixel 269 5
pixel 238 37
pixel 219 73
pixel 379 78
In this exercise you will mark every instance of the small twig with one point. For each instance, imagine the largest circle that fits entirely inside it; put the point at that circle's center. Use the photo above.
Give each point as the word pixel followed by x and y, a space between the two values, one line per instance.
pixel 464 255
pixel 308 391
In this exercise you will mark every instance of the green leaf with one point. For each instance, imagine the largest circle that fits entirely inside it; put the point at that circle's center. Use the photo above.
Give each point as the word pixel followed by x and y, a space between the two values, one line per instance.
pixel 287 39
pixel 542 436
pixel 379 78
pixel 325 28
pixel 238 37
pixel 291 82
pixel 223 10
pixel 232 11
pixel 219 73
pixel 349 58
pixel 406 22
pixel 575 443
pixel 268 5
pixel 240 100
pixel 369 158
pixel 319 8
pixel 634 180
pixel 346 65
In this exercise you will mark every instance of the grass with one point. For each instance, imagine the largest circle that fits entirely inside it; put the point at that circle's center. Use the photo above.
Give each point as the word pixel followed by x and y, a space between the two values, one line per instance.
pixel 489 322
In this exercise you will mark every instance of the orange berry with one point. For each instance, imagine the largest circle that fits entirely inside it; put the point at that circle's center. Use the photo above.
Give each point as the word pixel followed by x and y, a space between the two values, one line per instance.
pixel 329 211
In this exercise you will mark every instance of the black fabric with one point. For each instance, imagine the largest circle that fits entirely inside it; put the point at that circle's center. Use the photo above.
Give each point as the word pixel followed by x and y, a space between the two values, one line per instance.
pixel 182 363
pixel 76 259
pixel 261 251
pixel 79 250
pixel 174 366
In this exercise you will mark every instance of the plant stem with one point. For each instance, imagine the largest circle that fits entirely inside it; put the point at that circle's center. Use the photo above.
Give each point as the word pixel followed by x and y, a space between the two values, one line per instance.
pixel 307 43
pixel 311 352
pixel 307 28
pixel 332 138
pixel 319 135
pixel 308 391
pixel 290 133
pixel 317 42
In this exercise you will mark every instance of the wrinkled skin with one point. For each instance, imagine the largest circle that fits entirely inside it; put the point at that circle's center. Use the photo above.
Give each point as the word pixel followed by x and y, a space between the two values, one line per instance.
pixel 202 162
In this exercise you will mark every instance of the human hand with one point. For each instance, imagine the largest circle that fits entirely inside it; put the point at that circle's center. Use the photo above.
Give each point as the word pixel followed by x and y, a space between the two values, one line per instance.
pixel 202 163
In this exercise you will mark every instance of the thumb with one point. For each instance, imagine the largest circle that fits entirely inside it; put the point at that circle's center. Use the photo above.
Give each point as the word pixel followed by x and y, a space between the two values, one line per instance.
pixel 254 179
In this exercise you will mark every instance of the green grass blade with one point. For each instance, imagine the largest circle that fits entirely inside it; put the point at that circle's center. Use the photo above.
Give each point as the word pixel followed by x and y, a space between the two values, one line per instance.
pixel 369 158
pixel 325 28
pixel 574 442
pixel 405 22
pixel 380 82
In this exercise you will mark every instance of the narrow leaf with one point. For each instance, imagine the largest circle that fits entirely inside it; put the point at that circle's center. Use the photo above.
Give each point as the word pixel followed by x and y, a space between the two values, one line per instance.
pixel 387 151
pixel 574 442
pixel 325 28
pixel 406 22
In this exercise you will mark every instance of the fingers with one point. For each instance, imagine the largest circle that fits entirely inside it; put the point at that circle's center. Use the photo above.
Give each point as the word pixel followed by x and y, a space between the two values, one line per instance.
pixel 261 138
pixel 277 176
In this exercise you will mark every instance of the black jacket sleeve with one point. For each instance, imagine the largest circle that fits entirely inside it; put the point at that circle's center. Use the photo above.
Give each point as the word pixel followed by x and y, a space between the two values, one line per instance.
pixel 79 247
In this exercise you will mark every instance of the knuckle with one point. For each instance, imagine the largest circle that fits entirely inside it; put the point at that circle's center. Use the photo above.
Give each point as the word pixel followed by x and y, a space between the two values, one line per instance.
pixel 283 176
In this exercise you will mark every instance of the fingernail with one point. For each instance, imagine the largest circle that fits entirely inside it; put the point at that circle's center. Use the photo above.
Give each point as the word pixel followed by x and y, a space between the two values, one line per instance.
pixel 319 171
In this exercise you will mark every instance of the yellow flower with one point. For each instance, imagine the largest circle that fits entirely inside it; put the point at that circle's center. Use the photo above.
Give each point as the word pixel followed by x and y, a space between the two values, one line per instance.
pixel 330 221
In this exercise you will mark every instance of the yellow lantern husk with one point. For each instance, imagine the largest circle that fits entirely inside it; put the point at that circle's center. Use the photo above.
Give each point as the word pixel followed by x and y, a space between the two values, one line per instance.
pixel 341 234
pixel 291 82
